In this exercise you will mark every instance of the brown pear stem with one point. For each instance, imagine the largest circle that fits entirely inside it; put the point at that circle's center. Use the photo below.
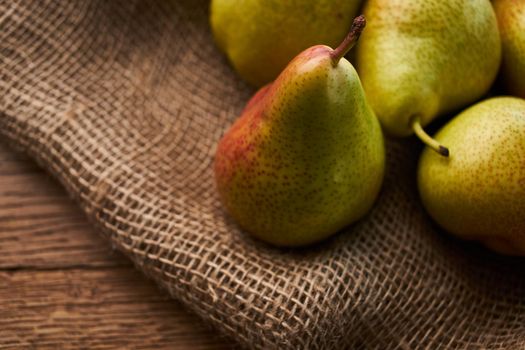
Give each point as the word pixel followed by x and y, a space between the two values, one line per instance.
pixel 351 39
pixel 427 140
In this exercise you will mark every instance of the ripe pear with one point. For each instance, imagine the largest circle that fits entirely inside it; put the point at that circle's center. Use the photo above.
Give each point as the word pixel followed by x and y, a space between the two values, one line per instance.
pixel 260 37
pixel 306 157
pixel 511 19
pixel 479 192
pixel 419 59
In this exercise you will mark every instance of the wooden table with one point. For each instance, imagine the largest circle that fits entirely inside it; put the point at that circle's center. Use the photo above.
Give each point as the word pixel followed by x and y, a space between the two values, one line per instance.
pixel 62 286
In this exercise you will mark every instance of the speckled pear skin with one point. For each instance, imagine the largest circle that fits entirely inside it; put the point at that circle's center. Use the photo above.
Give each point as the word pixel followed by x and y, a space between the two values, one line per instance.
pixel 426 58
pixel 260 37
pixel 306 157
pixel 479 192
pixel 511 19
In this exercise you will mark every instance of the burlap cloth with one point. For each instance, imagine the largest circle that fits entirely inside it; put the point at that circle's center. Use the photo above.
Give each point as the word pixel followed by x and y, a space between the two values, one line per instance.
pixel 124 102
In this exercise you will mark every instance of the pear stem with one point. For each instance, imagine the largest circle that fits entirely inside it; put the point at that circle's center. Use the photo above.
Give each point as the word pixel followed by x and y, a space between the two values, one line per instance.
pixel 350 40
pixel 429 141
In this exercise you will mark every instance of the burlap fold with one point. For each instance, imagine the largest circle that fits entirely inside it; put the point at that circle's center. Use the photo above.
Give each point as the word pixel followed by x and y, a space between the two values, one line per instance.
pixel 124 102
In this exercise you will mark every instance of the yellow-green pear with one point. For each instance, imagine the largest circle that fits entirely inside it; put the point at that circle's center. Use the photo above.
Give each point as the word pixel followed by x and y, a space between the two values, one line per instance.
pixel 511 20
pixel 306 157
pixel 260 37
pixel 478 193
pixel 419 59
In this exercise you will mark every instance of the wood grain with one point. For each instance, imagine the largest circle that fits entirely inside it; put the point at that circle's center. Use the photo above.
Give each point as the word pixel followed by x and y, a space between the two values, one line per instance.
pixel 62 286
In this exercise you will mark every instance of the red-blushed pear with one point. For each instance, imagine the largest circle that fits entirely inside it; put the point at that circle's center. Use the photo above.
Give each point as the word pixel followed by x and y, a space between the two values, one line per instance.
pixel 306 157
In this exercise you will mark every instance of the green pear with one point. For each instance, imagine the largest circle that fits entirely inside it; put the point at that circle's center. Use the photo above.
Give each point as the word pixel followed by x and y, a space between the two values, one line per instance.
pixel 260 37
pixel 511 19
pixel 419 59
pixel 306 157
pixel 479 191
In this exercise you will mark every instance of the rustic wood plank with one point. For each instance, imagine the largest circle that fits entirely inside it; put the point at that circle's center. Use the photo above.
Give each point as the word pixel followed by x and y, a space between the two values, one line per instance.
pixel 62 286
pixel 41 227
pixel 94 309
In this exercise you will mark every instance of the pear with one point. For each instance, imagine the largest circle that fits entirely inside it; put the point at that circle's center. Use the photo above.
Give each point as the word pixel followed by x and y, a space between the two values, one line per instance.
pixel 419 59
pixel 260 37
pixel 511 19
pixel 479 191
pixel 306 157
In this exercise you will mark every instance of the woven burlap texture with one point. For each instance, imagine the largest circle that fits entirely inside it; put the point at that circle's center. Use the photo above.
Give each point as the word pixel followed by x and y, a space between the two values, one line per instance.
pixel 124 102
